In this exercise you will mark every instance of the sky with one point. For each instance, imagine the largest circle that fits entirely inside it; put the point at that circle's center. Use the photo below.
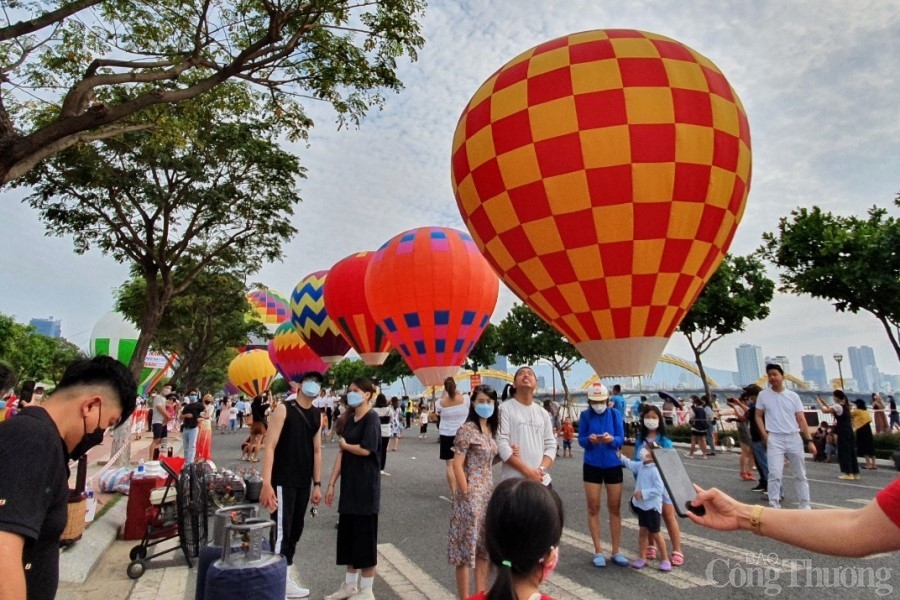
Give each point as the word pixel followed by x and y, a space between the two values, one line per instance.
pixel 819 81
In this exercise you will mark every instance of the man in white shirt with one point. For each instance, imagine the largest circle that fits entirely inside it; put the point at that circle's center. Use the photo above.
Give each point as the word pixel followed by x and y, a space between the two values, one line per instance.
pixel 525 424
pixel 160 419
pixel 782 425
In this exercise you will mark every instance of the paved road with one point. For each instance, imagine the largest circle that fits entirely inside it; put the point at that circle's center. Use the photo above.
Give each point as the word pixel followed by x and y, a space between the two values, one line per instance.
pixel 415 514
pixel 413 537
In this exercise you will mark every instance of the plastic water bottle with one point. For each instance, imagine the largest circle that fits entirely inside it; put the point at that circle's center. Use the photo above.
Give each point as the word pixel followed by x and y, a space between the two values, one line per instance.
pixel 91 503
pixel 140 469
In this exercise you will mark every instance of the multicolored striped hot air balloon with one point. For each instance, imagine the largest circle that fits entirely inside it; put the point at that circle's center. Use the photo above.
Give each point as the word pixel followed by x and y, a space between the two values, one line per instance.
pixel 433 293
pixel 230 389
pixel 291 355
pixel 270 307
pixel 345 301
pixel 252 372
pixel 309 316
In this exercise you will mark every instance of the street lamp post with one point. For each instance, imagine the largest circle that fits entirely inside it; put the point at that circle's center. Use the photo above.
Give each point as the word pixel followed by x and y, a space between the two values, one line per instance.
pixel 838 357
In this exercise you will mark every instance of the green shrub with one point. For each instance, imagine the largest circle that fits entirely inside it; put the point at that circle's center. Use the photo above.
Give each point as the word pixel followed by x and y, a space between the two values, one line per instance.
pixel 886 444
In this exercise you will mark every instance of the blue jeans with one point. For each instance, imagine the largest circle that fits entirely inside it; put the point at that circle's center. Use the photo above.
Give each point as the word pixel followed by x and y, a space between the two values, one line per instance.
pixel 189 442
pixel 762 460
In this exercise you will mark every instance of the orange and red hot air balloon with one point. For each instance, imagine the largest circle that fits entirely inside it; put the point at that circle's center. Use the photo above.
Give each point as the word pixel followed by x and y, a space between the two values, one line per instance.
pixel 432 293
pixel 603 175
pixel 346 305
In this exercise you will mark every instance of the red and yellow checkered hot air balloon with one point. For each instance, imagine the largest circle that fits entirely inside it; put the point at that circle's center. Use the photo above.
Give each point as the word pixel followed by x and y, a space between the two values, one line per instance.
pixel 345 302
pixel 603 175
pixel 252 372
pixel 432 293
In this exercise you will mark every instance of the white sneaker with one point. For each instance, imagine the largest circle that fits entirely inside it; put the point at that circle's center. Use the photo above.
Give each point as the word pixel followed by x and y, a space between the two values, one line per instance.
pixel 365 594
pixel 385 473
pixel 293 590
pixel 347 590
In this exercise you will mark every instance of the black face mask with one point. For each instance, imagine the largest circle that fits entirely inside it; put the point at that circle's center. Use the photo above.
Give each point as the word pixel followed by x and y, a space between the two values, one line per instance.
pixel 89 440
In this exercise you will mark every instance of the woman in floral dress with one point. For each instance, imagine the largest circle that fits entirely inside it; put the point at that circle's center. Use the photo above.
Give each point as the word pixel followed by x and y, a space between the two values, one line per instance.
pixel 474 448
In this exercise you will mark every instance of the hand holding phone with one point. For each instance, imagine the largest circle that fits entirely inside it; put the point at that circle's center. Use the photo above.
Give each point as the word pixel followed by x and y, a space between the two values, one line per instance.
pixel 677 481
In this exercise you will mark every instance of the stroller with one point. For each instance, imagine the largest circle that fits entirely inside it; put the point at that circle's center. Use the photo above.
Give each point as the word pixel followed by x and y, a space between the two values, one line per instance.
pixel 178 510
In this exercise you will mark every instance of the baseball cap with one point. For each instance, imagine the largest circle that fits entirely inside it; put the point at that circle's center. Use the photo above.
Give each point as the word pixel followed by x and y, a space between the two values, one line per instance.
pixel 597 391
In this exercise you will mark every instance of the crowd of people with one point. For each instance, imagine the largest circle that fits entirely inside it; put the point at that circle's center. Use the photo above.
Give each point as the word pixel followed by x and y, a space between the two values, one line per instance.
pixel 512 529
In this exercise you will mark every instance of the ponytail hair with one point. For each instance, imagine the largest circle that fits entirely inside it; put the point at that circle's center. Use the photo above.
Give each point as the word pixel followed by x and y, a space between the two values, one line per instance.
pixel 524 520
pixel 450 387
pixel 508 392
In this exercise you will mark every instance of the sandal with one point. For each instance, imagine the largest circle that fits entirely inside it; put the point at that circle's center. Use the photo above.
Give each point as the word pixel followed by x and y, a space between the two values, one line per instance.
pixel 639 564
pixel 665 566
pixel 599 560
pixel 651 553
pixel 620 559
pixel 677 558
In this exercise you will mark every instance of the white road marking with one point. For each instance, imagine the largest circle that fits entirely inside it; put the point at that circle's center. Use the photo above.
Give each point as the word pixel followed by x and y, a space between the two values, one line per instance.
pixel 407 581
pixel 563 588
pixel 678 577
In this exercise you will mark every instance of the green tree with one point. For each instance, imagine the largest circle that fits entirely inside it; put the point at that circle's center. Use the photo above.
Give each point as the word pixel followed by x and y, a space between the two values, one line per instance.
pixel 484 353
pixel 201 326
pixel 850 261
pixel 738 292
pixel 348 369
pixel 78 71
pixel 525 339
pixel 203 192
pixel 32 355
pixel 394 368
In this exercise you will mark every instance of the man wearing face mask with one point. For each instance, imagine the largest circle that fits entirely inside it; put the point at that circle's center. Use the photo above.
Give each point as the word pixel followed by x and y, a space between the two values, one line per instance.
pixel 35 448
pixel 292 463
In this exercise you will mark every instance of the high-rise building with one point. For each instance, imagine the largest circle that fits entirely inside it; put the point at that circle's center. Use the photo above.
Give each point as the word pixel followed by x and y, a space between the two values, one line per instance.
pixel 814 370
pixel 784 361
pixel 750 363
pixel 862 365
pixel 47 327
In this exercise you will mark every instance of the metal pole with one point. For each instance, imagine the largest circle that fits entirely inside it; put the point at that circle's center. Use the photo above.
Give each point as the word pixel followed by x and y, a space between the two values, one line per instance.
pixel 553 375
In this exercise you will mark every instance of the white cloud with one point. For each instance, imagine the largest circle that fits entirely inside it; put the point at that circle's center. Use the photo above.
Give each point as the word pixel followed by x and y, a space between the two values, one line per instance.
pixel 819 81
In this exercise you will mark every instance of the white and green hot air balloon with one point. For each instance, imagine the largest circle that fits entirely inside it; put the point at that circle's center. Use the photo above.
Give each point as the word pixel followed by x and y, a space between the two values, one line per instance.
pixel 115 336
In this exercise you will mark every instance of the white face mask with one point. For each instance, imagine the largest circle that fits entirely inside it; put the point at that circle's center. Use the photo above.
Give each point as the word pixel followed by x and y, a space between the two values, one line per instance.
pixel 599 408
pixel 651 424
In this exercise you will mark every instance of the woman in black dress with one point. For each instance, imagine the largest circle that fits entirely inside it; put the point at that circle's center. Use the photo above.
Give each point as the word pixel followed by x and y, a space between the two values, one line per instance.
pixel 846 445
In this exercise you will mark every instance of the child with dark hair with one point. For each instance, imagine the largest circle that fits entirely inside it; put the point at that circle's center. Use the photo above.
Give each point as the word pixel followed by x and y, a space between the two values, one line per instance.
pixel 523 526
pixel 647 504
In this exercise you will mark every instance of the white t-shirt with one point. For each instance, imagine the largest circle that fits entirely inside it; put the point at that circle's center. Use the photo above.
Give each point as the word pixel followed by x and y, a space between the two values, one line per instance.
pixel 528 427
pixel 233 412
pixel 452 417
pixel 159 402
pixel 781 409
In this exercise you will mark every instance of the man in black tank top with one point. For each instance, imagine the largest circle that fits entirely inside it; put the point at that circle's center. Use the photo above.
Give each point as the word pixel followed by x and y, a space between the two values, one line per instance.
pixel 292 468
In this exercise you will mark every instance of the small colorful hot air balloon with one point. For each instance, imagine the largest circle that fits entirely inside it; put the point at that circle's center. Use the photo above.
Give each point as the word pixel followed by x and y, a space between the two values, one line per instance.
pixel 603 175
pixel 291 355
pixel 270 307
pixel 252 372
pixel 432 293
pixel 309 316
pixel 345 301
pixel 113 335
pixel 230 389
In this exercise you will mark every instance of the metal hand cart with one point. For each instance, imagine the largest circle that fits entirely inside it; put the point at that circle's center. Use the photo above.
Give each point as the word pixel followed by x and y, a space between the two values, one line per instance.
pixel 179 510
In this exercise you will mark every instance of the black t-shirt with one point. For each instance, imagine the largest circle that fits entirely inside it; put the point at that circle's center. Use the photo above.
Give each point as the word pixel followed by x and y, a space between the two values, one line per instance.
pixel 34 488
pixel 360 475
pixel 755 435
pixel 293 465
pixel 258 410
pixel 193 408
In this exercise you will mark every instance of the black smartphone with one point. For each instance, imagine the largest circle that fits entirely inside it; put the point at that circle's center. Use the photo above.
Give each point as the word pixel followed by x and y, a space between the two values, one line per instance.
pixel 677 481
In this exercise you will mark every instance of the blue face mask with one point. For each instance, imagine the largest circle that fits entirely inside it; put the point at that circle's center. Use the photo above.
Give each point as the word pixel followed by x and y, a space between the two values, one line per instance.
pixel 310 388
pixel 484 410
pixel 354 399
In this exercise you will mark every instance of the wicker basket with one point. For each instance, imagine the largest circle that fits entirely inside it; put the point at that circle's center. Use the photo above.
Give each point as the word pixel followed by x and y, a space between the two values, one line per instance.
pixel 75 523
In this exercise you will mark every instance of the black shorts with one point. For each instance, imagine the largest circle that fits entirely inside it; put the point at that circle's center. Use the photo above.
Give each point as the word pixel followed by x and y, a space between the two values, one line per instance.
pixel 648 519
pixel 357 541
pixel 447 452
pixel 160 432
pixel 599 475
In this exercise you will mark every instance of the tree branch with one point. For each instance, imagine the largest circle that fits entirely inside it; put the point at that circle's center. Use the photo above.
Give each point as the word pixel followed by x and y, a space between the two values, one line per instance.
pixel 25 27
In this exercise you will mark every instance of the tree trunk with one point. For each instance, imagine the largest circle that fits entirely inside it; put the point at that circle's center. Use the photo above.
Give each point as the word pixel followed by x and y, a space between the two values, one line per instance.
pixel 891 336
pixel 702 372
